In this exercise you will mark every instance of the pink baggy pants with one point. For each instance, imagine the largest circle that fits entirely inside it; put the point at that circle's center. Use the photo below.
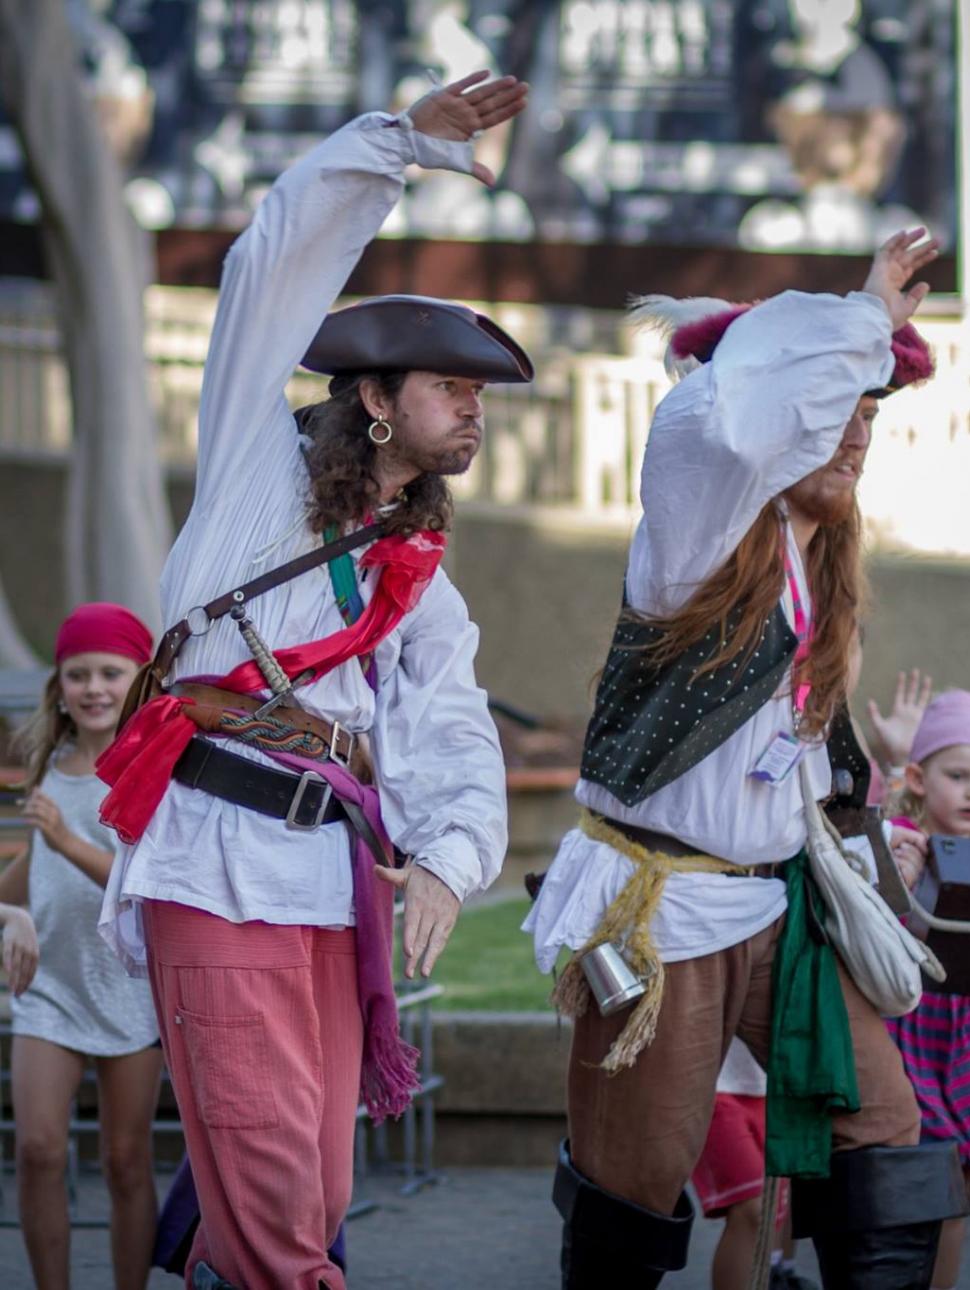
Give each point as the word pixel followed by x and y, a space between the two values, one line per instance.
pixel 262 1034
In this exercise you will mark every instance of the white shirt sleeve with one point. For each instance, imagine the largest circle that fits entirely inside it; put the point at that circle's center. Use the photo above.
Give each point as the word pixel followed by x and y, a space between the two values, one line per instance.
pixel 279 281
pixel 770 407
pixel 438 763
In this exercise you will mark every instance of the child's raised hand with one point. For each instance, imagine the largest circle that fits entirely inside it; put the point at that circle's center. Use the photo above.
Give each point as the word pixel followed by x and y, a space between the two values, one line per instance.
pixel 897 731
pixel 21 953
pixel 43 813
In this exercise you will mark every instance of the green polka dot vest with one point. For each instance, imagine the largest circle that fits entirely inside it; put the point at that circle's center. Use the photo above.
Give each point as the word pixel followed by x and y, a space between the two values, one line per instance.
pixel 650 724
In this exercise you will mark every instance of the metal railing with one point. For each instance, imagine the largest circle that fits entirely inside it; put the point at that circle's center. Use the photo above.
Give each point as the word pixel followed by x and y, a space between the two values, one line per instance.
pixel 415 1164
pixel 573 439
pixel 19 694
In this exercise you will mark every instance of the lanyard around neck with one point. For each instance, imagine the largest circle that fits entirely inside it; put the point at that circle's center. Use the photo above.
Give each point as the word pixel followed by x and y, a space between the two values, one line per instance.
pixel 803 630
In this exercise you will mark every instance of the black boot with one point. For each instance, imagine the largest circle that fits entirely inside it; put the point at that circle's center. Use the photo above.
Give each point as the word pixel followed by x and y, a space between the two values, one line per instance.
pixel 608 1241
pixel 875 1222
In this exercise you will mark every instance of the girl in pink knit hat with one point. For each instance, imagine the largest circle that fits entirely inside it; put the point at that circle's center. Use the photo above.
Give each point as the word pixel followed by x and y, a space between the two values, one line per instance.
pixel 935 1038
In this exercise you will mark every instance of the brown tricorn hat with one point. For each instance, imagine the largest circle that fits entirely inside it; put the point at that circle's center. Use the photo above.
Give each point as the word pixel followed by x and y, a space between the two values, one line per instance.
pixel 416 333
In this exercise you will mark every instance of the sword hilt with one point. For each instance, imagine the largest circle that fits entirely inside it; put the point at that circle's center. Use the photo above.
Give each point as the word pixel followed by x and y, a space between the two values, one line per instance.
pixel 273 674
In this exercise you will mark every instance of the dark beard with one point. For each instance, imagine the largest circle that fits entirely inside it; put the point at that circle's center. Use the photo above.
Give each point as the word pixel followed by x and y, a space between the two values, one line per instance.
pixel 453 463
pixel 444 461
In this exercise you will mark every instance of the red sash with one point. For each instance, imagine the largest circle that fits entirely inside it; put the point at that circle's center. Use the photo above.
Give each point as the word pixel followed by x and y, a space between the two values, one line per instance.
pixel 138 765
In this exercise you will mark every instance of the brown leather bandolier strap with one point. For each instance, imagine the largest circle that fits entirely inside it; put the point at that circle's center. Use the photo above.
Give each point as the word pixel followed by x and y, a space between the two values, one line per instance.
pixel 206 615
pixel 213 702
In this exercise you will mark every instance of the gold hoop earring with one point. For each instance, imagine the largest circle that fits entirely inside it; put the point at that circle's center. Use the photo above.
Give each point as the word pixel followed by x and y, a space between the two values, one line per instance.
pixel 388 431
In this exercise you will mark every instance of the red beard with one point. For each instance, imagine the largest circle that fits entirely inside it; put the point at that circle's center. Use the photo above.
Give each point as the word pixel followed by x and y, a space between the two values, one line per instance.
pixel 820 504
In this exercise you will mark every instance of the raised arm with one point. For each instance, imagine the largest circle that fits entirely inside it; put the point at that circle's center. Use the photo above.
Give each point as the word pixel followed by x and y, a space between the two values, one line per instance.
pixel 283 274
pixel 15 880
pixel 769 408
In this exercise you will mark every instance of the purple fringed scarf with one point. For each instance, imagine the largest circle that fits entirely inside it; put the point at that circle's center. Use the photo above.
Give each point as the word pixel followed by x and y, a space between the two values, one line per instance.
pixel 389 1069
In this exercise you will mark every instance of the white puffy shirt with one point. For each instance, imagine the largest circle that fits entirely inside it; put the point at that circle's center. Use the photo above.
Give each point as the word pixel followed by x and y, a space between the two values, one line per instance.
pixel 438 764
pixel 770 407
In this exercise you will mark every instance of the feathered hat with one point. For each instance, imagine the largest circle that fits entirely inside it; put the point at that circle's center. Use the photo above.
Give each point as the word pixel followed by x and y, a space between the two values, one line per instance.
pixel 693 327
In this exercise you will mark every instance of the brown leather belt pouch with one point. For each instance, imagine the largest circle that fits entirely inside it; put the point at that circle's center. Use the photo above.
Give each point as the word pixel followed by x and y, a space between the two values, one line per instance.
pixel 211 702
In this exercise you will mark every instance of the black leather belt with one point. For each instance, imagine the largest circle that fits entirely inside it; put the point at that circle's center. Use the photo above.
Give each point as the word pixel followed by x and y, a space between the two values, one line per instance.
pixel 668 845
pixel 304 801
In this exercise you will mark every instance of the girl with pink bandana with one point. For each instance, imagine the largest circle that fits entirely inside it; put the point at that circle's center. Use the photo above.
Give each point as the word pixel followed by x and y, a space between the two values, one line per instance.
pixel 73 1003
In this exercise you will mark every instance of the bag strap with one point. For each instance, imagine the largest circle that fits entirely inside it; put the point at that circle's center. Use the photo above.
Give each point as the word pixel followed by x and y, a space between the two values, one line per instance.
pixel 895 887
pixel 176 636
pixel 891 886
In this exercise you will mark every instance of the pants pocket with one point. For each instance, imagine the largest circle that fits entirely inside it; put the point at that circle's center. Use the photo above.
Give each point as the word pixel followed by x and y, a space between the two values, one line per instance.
pixel 228 1061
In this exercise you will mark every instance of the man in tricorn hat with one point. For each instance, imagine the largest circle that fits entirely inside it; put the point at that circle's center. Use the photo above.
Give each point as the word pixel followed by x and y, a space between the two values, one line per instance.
pixel 721 702
pixel 252 819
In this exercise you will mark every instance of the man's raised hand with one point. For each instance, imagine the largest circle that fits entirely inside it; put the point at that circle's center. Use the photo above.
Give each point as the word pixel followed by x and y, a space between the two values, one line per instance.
pixel 466 107
pixel 892 267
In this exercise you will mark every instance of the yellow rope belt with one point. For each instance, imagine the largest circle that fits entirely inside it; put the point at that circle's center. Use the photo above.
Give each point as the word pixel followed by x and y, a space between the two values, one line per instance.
pixel 627 921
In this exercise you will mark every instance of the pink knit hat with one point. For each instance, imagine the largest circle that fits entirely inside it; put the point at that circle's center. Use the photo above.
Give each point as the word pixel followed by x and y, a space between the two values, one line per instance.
pixel 945 722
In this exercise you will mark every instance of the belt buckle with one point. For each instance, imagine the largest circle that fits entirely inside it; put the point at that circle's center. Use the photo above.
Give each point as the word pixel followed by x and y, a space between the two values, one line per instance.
pixel 308 777
pixel 336 729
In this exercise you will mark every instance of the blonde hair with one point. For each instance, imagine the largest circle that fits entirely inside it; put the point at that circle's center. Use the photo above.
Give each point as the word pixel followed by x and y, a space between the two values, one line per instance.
pixel 904 802
pixel 44 733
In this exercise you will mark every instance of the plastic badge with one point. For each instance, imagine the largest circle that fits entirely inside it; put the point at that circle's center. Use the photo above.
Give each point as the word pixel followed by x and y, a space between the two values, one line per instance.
pixel 779 759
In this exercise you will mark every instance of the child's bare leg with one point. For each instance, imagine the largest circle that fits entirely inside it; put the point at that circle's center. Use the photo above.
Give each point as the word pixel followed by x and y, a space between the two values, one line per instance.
pixel 45 1081
pixel 128 1093
pixel 734 1256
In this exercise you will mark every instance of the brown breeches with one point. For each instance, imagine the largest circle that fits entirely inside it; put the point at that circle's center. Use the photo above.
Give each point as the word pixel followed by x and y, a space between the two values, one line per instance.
pixel 639 1133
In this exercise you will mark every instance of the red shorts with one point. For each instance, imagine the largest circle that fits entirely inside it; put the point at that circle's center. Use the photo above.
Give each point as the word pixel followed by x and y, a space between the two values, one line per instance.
pixel 732 1165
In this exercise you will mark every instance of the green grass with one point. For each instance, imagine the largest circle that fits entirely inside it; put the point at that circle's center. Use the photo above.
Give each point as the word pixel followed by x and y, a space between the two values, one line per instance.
pixel 488 966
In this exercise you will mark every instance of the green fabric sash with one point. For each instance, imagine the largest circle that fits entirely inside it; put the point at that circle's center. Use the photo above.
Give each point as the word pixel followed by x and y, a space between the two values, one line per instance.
pixel 811 1069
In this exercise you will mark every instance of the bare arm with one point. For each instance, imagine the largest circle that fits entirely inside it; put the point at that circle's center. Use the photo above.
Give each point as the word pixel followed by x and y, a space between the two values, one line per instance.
pixel 44 814
pixel 13 880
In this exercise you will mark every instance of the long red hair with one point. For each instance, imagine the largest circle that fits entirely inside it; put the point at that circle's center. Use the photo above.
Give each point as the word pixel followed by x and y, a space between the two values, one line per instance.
pixel 751 581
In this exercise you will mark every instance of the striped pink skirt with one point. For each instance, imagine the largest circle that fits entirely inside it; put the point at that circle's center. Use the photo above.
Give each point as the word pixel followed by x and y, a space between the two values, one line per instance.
pixel 934 1040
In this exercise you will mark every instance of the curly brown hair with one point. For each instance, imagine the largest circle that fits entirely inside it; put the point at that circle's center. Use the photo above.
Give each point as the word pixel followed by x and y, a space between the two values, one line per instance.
pixel 341 460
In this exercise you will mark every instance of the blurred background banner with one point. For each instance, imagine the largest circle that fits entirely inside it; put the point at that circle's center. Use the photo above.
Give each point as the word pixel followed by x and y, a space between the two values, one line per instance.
pixel 695 147
pixel 791 125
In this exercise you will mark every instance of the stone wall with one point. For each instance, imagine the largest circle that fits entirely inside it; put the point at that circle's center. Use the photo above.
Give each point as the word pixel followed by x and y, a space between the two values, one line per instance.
pixel 545 589
pixel 543 584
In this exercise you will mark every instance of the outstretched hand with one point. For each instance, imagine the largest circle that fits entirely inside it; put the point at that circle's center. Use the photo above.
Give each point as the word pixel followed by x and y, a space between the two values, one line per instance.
pixel 896 731
pixel 466 107
pixel 892 267
pixel 430 912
